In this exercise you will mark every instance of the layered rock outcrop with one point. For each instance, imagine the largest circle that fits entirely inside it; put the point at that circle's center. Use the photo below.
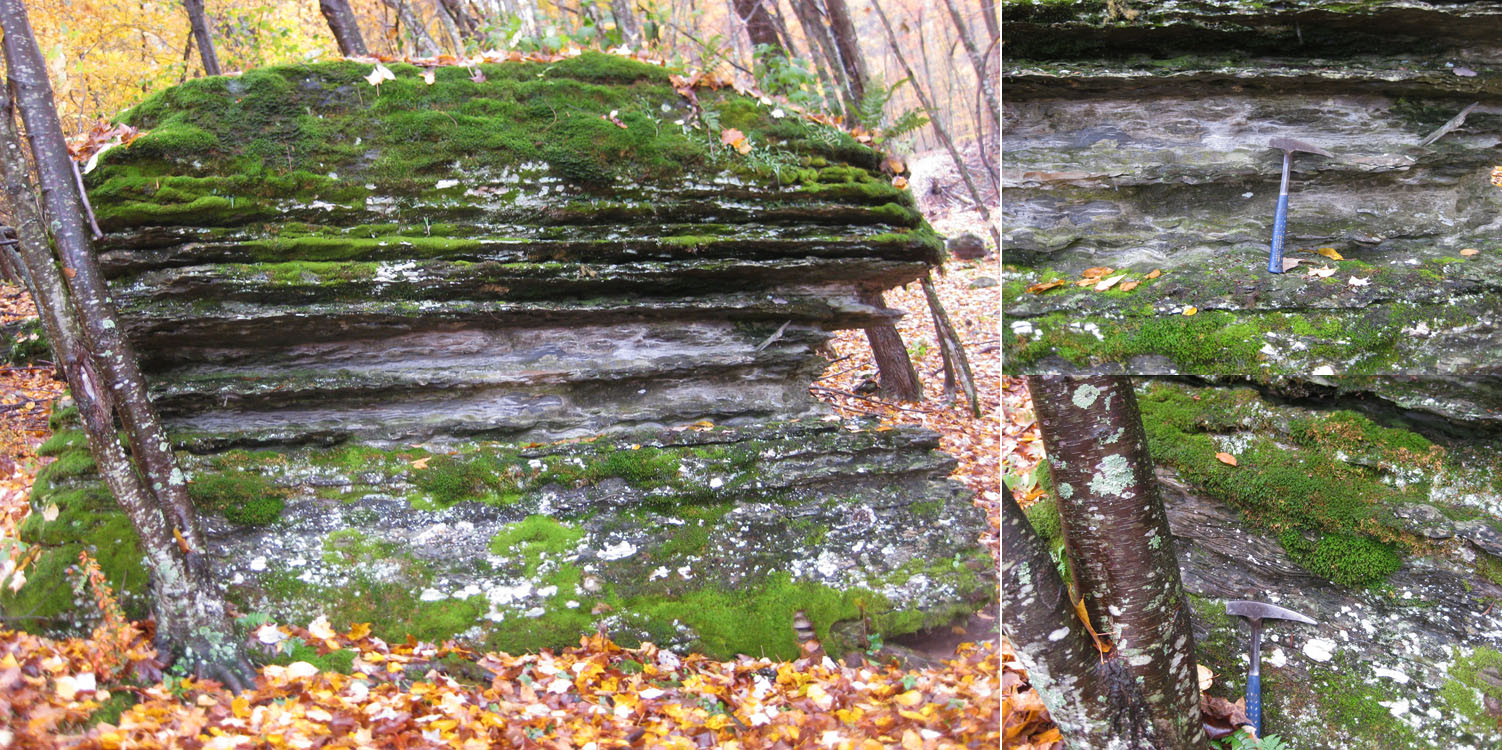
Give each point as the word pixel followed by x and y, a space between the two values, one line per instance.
pixel 516 354
pixel 1138 140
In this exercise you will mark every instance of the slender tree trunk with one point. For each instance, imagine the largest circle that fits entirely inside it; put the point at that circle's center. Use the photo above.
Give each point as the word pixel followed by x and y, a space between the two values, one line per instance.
pixel 1116 532
pixel 200 25
pixel 938 126
pixel 345 26
pixel 626 21
pixel 987 86
pixel 422 41
pixel 456 41
pixel 898 377
pixel 469 28
pixel 192 620
pixel 759 24
pixel 956 364
pixel 818 33
pixel 988 13
pixel 847 41
pixel 1087 694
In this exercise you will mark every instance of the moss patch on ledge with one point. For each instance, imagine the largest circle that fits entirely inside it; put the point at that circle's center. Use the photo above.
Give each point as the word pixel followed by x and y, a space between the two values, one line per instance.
pixel 1331 511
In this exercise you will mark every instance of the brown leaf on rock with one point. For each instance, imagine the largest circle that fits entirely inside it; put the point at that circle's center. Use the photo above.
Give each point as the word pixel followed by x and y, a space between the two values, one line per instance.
pixel 1226 458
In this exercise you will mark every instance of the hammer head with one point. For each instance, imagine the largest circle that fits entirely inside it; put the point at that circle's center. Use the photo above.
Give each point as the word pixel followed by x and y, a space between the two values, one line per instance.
pixel 1290 145
pixel 1260 611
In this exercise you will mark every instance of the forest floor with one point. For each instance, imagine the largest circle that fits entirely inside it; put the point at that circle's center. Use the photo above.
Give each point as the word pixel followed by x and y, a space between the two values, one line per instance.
pixel 108 690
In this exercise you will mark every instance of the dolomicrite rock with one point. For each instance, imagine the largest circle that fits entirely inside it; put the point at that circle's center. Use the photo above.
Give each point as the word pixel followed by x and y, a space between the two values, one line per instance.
pixel 515 359
pixel 1141 143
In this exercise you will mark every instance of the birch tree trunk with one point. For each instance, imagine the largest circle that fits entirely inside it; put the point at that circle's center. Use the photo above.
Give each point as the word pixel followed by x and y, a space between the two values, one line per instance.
pixel 1117 535
pixel 200 25
pixel 987 86
pixel 346 28
pixel 1094 704
pixel 192 620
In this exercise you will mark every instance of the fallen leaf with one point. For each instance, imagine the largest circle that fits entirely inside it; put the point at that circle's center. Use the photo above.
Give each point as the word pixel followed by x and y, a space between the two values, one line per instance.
pixel 1207 677
pixel 1468 252
pixel 894 165
pixel 50 514
pixel 428 76
pixel 1226 458
pixel 381 73
pixel 1044 286
pixel 1153 274
pixel 1108 283
pixel 1323 272
pixel 1359 281
pixel 422 463
pixel 1329 252
pixel 899 182
pixel 1096 272
pixel 1191 310
pixel 1290 263
pixel 1127 286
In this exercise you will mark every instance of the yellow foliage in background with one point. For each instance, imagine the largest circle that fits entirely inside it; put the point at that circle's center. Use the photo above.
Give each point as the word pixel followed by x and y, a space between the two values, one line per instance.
pixel 106 55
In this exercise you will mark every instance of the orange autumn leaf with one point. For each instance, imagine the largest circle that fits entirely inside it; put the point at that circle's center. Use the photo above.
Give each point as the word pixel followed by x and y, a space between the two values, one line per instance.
pixel 1044 286
pixel 1226 458
pixel 1153 274
pixel 1191 310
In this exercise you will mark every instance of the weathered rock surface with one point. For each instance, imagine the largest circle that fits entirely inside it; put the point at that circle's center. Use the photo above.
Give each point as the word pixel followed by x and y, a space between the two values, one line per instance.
pixel 1141 144
pixel 1381 528
pixel 516 359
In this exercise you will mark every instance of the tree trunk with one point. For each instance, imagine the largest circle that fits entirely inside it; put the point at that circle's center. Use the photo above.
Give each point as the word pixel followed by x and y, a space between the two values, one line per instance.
pixel 345 26
pixel 200 25
pixel 469 27
pixel 938 126
pixel 1118 539
pixel 626 21
pixel 815 29
pixel 898 378
pixel 759 24
pixel 988 13
pixel 987 86
pixel 1095 705
pixel 192 620
pixel 956 364
pixel 422 41
pixel 846 41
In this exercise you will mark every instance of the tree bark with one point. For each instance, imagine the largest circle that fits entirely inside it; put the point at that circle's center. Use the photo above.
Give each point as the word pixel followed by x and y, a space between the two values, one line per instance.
pixel 345 26
pixel 422 41
pixel 987 86
pixel 626 21
pixel 1093 704
pixel 760 26
pixel 956 364
pixel 192 619
pixel 988 13
pixel 1117 535
pixel 847 41
pixel 815 29
pixel 469 26
pixel 898 378
pixel 200 25
pixel 938 126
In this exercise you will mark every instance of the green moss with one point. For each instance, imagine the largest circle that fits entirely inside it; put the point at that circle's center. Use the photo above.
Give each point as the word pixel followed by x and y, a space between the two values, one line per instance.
pixel 340 660
pixel 64 418
pixel 244 497
pixel 63 441
pixel 1352 706
pixel 109 711
pixel 533 537
pixel 1466 687
pixel 1325 511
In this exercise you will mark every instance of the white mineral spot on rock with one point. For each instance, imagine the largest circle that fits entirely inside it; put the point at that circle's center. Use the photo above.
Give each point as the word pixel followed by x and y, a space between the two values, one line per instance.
pixel 1397 708
pixel 686 572
pixel 534 612
pixel 660 572
pixel 1058 635
pixel 547 591
pixel 1022 328
pixel 1277 658
pixel 618 551
pixel 259 563
pixel 432 595
pixel 1391 674
pixel 1323 370
pixel 1319 649
pixel 571 604
pixel 716 483
pixel 445 184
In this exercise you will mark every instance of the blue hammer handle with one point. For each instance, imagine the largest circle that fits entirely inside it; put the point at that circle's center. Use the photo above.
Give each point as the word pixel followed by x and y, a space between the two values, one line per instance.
pixel 1254 701
pixel 1280 220
pixel 1280 224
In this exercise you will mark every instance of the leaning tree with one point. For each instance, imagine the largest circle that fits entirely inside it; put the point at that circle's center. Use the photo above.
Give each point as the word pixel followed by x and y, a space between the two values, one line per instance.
pixel 194 627
pixel 1144 690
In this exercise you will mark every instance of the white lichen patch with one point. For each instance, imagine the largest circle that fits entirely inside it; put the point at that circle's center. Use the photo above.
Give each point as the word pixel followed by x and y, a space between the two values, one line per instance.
pixel 618 551
pixel 1319 649
pixel 1085 396
pixel 1112 475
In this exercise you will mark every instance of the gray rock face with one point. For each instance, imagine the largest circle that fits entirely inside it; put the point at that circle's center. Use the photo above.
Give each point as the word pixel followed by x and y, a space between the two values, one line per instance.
pixel 1139 145
pixel 522 389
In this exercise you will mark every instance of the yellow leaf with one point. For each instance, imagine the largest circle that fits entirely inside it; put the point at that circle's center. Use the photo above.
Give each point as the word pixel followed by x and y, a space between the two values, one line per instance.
pixel 1468 252
pixel 1096 272
pixel 1153 274
pixel 422 463
pixel 911 740
pixel 1044 286
pixel 1329 252
pixel 1226 458
pixel 899 182
pixel 1191 310
pixel 1127 286
pixel 50 514
pixel 731 136
pixel 320 629
pixel 910 698
pixel 206 700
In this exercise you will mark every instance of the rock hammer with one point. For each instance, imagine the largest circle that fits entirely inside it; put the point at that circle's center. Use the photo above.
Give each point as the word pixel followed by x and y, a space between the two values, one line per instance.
pixel 1255 612
pixel 1280 219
